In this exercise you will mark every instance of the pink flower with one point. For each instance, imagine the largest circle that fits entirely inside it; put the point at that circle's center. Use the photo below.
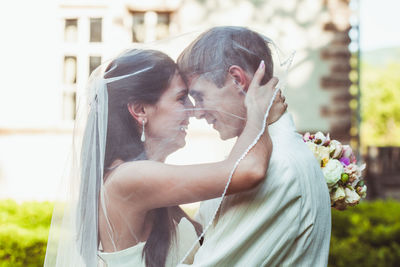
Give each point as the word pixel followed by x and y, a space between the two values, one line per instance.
pixel 306 137
pixel 338 194
pixel 352 198
pixel 347 151
pixel 353 171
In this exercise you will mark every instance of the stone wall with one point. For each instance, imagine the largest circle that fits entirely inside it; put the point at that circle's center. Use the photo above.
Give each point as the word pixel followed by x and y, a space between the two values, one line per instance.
pixel 337 55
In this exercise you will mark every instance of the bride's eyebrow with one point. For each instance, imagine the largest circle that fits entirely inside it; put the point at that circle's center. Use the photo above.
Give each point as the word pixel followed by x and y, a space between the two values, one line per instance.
pixel 182 91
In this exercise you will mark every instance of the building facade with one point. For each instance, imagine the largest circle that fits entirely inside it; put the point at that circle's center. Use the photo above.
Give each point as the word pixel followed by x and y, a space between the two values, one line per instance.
pixel 50 53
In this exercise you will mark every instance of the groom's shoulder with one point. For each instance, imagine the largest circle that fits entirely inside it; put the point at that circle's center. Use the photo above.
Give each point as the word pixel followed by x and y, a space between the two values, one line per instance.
pixel 289 148
pixel 282 166
pixel 292 157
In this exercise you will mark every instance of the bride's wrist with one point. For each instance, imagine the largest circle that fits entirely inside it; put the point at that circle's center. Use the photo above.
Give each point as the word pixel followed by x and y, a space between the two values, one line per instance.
pixel 254 126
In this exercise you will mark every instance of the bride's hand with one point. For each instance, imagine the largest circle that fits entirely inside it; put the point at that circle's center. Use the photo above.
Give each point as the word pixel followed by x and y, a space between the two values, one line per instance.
pixel 258 98
pixel 278 108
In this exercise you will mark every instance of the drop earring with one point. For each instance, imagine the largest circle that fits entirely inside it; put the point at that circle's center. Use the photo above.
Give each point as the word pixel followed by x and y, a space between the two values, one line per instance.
pixel 143 137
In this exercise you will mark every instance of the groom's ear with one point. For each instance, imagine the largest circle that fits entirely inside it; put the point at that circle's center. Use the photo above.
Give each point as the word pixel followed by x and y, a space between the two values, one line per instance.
pixel 240 78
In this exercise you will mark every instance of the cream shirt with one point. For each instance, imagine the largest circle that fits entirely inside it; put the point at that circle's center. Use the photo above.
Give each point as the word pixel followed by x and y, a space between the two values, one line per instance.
pixel 286 221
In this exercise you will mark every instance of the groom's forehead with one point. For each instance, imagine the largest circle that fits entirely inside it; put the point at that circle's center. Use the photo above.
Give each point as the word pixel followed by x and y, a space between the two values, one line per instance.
pixel 199 85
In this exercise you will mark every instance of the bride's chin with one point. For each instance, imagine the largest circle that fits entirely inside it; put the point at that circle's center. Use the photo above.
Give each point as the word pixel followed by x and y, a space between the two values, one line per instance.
pixel 181 142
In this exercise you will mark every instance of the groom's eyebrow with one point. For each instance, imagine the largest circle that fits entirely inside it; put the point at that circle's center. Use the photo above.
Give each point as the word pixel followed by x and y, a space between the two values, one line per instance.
pixel 195 93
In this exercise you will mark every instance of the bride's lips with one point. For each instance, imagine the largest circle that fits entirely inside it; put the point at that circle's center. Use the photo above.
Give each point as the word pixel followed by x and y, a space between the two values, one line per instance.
pixel 184 126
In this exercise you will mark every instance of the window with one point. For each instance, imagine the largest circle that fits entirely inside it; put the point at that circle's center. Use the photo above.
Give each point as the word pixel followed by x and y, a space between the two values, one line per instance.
pixel 138 27
pixel 149 26
pixel 71 30
pixel 70 70
pixel 69 105
pixel 95 29
pixel 69 88
pixel 162 28
pixel 94 62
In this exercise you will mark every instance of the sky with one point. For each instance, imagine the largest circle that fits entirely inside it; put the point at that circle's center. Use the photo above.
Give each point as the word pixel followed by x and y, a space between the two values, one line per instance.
pixel 379 24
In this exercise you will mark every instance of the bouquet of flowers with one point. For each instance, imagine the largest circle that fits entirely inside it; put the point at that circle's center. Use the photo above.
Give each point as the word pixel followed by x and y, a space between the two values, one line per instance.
pixel 340 169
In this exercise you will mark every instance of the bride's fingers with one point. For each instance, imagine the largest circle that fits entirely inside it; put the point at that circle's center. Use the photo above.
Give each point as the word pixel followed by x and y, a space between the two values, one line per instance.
pixel 278 97
pixel 270 85
pixel 258 75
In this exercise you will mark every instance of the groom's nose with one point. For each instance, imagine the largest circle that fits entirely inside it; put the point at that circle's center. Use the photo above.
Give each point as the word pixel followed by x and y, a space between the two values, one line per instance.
pixel 189 107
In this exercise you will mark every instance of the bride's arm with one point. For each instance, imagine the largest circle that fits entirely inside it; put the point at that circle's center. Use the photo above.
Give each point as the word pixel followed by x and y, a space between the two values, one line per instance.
pixel 151 184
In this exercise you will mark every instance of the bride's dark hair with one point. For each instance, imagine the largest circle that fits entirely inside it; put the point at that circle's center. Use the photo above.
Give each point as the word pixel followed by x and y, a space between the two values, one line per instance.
pixel 153 72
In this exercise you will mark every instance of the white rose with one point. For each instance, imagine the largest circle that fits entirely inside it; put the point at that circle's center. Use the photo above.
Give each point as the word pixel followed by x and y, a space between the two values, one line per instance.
pixel 319 138
pixel 335 148
pixel 323 152
pixel 338 194
pixel 320 152
pixel 332 172
pixel 313 148
pixel 352 198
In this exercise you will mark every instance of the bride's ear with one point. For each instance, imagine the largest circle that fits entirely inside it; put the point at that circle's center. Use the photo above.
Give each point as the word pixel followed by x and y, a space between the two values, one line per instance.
pixel 138 112
pixel 239 77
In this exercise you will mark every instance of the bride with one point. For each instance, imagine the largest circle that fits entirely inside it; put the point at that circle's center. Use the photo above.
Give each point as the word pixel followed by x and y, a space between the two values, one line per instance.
pixel 123 199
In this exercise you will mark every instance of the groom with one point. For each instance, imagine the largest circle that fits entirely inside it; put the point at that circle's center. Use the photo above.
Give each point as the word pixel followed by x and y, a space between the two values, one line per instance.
pixel 286 221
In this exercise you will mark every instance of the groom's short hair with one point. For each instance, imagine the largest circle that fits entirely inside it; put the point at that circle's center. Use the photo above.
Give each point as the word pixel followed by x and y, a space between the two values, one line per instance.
pixel 215 50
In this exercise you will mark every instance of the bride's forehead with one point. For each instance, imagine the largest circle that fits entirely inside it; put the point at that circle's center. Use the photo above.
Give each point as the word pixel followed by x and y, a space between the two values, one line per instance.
pixel 176 88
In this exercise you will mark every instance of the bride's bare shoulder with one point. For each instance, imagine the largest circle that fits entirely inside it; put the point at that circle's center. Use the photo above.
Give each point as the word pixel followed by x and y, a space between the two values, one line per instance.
pixel 125 173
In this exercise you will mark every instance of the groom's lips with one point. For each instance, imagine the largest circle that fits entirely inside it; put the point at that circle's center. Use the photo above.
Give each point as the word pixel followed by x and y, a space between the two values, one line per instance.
pixel 210 120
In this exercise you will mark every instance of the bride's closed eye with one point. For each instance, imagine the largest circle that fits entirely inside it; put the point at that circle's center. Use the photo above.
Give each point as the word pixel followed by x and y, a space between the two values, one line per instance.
pixel 183 99
pixel 183 96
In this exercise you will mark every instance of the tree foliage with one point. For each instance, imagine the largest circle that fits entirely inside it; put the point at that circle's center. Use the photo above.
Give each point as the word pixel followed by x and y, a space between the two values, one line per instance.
pixel 380 98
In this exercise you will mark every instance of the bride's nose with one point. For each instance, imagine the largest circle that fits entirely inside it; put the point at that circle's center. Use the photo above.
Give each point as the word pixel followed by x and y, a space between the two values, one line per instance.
pixel 198 113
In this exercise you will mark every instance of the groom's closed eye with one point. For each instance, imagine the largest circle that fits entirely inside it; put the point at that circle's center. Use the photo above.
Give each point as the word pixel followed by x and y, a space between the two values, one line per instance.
pixel 197 96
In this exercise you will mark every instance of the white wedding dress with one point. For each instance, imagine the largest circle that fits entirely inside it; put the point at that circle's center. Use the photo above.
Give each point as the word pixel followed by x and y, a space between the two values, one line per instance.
pixel 185 237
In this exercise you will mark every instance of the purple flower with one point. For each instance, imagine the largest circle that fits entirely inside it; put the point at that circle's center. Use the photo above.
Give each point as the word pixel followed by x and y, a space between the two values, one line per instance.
pixel 345 161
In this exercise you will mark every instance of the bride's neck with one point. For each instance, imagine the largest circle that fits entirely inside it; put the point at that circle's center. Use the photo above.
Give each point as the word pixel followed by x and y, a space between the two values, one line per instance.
pixel 155 150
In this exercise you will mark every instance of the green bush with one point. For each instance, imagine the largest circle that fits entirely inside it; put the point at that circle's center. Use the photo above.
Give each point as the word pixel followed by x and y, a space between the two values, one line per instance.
pixel 24 230
pixel 366 235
